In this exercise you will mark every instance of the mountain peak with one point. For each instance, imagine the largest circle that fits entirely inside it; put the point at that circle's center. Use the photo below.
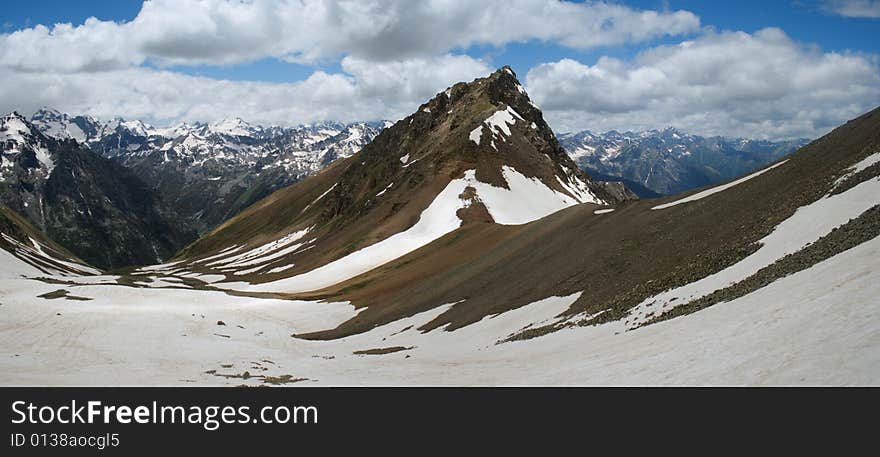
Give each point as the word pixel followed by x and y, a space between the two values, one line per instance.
pixel 233 127
pixel 504 74
pixel 478 152
pixel 47 112
pixel 14 124
pixel 23 144
pixel 14 115
pixel 491 123
pixel 502 86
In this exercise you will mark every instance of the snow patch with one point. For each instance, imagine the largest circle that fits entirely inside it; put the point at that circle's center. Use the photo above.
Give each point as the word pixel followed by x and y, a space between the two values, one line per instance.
pixel 319 197
pixel 435 221
pixel 578 189
pixel 476 134
pixel 13 267
pixel 861 165
pixel 716 189
pixel 385 189
pixel 263 253
pixel 280 269
pixel 526 200
pixel 806 225
pixel 499 124
pixel 501 120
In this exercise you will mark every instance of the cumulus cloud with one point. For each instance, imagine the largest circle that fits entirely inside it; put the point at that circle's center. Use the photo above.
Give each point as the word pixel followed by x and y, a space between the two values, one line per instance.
pixel 393 54
pixel 93 46
pixel 731 83
pixel 367 92
pixel 185 32
pixel 853 8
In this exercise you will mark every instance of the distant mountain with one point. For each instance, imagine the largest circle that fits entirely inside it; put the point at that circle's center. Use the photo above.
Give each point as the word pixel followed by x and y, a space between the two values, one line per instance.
pixel 665 162
pixel 210 172
pixel 94 207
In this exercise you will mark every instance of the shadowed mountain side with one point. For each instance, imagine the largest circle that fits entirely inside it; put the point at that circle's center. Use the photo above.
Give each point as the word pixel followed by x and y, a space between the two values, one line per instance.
pixel 30 246
pixel 95 207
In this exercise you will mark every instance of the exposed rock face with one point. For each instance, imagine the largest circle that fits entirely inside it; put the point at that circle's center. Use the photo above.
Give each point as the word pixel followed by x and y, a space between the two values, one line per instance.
pixel 94 207
pixel 26 251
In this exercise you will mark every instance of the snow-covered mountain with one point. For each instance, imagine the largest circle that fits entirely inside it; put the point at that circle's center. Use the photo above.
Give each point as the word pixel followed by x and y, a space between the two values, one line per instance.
pixel 23 147
pixel 93 206
pixel 211 171
pixel 664 162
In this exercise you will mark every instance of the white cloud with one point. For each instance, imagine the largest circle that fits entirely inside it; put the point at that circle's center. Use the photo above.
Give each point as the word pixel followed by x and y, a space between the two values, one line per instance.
pixel 394 54
pixel 410 82
pixel 226 32
pixel 94 46
pixel 368 91
pixel 731 83
pixel 854 8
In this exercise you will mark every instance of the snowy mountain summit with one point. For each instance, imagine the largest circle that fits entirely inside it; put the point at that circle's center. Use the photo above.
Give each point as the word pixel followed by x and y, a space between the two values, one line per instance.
pixel 94 207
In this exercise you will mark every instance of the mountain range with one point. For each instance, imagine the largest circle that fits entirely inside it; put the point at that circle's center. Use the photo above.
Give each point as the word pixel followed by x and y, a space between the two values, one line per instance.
pixel 202 174
pixel 210 172
pixel 664 162
pixel 93 206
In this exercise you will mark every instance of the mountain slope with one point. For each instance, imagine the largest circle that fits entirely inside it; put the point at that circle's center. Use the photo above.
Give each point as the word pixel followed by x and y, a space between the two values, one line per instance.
pixel 477 153
pixel 26 251
pixel 94 207
pixel 668 162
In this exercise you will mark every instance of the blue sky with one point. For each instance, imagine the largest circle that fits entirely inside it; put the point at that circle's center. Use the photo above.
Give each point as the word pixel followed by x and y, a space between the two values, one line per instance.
pixel 382 75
